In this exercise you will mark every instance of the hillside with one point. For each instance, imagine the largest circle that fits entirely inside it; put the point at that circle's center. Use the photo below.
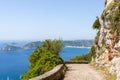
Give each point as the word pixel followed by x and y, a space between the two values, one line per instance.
pixel 107 41
pixel 11 47
pixel 80 43
pixel 34 45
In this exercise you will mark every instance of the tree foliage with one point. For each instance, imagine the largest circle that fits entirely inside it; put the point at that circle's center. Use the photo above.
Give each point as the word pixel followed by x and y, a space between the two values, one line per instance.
pixel 53 46
pixel 44 58
pixel 96 24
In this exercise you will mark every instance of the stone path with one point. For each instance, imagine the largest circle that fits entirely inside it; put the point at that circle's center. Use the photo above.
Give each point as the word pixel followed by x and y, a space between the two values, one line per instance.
pixel 82 72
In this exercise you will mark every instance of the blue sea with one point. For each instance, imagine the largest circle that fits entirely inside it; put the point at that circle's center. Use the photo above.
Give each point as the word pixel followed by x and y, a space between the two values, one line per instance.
pixel 15 62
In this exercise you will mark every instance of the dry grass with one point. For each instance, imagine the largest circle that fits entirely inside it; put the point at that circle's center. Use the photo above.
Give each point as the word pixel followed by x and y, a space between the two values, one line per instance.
pixel 105 72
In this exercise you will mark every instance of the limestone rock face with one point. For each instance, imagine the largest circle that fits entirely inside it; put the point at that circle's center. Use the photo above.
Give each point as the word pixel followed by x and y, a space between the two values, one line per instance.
pixel 115 67
pixel 108 2
pixel 108 47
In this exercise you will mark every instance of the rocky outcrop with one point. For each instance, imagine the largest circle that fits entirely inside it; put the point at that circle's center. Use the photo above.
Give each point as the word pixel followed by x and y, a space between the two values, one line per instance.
pixel 108 2
pixel 108 42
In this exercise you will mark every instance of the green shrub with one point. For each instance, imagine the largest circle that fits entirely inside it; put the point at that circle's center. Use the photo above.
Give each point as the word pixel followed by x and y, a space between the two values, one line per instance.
pixel 105 2
pixel 54 46
pixel 93 52
pixel 85 58
pixel 43 59
pixel 96 24
pixel 97 38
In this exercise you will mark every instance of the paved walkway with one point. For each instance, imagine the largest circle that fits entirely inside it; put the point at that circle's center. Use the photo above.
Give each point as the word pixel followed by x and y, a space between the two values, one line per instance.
pixel 82 72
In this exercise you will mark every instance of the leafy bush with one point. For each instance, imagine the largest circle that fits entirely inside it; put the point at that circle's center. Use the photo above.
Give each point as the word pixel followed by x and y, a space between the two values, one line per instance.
pixel 54 46
pixel 85 58
pixel 92 52
pixel 43 59
pixel 97 38
pixel 96 24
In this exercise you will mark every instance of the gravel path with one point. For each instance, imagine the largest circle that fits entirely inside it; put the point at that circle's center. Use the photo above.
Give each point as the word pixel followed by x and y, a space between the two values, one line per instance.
pixel 82 72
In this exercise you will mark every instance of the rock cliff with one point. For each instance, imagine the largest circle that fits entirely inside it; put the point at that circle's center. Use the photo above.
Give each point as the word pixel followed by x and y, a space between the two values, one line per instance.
pixel 107 41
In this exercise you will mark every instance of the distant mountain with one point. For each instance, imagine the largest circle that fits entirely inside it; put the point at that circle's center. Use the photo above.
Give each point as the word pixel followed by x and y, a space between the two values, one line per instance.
pixel 11 47
pixel 13 43
pixel 33 45
pixel 78 43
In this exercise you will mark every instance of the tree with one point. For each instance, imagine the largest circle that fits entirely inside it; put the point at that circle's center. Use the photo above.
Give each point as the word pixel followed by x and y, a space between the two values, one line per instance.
pixel 44 58
pixel 96 24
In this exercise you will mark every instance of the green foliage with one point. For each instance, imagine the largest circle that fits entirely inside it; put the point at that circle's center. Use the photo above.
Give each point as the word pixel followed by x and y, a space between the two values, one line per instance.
pixel 85 58
pixel 96 24
pixel 114 76
pixel 53 46
pixel 115 20
pixel 92 52
pixel 97 38
pixel 44 59
pixel 103 15
pixel 115 17
pixel 105 2
pixel 34 57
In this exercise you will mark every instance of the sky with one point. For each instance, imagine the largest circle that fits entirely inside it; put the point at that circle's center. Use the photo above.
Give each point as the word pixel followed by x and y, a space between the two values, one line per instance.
pixel 48 19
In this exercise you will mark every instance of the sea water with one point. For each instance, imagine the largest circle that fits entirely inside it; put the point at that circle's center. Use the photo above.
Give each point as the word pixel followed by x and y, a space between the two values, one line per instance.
pixel 15 62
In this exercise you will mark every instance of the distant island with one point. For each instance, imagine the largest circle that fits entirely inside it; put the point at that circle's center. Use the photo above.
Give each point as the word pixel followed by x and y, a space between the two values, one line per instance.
pixel 34 45
pixel 78 43
pixel 10 47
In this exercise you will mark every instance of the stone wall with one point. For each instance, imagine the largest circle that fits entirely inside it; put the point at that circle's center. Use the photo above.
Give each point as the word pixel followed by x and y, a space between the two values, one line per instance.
pixel 56 73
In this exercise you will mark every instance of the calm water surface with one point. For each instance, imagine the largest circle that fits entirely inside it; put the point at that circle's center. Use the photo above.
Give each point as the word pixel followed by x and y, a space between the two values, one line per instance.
pixel 14 63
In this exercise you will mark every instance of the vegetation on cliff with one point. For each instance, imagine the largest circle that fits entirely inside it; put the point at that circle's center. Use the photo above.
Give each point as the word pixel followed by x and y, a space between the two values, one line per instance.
pixel 107 41
pixel 92 54
pixel 44 58
pixel 115 20
pixel 96 24
pixel 85 58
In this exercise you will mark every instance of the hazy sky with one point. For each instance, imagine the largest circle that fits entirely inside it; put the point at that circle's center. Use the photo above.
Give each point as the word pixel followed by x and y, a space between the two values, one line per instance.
pixel 48 19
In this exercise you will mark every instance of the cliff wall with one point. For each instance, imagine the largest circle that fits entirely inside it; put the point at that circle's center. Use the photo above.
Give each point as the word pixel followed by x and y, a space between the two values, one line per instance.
pixel 107 41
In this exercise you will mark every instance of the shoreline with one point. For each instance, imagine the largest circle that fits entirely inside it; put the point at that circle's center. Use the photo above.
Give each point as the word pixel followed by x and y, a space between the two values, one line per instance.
pixel 76 47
